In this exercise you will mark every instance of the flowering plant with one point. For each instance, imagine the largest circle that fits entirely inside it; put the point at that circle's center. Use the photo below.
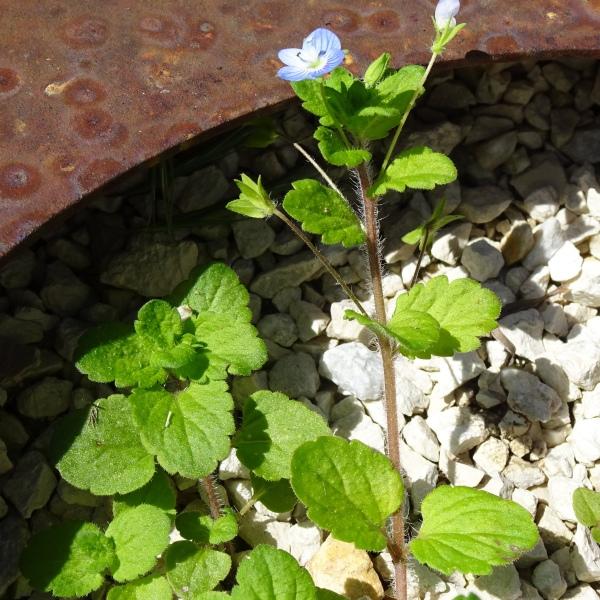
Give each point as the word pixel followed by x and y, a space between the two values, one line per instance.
pixel 174 413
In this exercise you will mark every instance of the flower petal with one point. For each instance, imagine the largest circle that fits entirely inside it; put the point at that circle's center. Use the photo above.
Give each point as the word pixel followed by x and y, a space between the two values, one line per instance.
pixel 445 11
pixel 289 56
pixel 294 73
pixel 332 60
pixel 322 40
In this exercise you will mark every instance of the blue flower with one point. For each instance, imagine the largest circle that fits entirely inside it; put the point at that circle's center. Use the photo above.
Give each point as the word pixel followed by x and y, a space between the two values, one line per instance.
pixel 321 52
pixel 445 11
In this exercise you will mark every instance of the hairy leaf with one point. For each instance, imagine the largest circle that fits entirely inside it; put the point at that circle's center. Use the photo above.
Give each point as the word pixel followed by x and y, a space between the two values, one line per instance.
pixel 277 496
pixel 335 151
pixel 113 352
pixel 203 529
pixel 417 168
pixel 322 210
pixel 158 492
pixel 398 88
pixel 414 332
pixel 471 531
pixel 99 449
pixel 192 570
pixel 463 308
pixel 586 505
pixel 273 427
pixel 214 288
pixel 152 587
pixel 68 560
pixel 188 431
pixel 348 489
pixel 272 574
pixel 230 347
pixel 139 535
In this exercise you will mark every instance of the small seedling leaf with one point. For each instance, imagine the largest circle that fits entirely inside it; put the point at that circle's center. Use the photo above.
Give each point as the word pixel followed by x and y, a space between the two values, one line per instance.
pixel 253 201
pixel 463 308
pixel 68 560
pixel 189 430
pixel 348 489
pixel 192 570
pixel 104 454
pixel 377 69
pixel 471 531
pixel 322 210
pixel 418 168
pixel 272 574
pixel 273 427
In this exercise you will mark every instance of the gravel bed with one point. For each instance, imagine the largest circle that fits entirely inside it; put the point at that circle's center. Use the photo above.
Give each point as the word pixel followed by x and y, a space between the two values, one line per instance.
pixel 519 418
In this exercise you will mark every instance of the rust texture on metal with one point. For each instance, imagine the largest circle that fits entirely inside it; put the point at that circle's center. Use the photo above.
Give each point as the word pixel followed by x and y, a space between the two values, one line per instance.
pixel 89 89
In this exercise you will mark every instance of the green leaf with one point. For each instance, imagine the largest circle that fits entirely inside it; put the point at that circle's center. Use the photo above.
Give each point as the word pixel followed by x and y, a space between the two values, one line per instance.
pixel 266 441
pixel 189 430
pixel 152 587
pixel 277 496
pixel 214 288
pixel 203 529
pixel 348 489
pixel 139 534
pixel 414 332
pixel 377 69
pixel 322 210
pixel 211 596
pixel 260 132
pixel 417 168
pixel 192 570
pixel 113 352
pixel 586 505
pixel 102 453
pixel 463 308
pixel 231 347
pixel 335 152
pixel 324 594
pixel 471 531
pixel 397 89
pixel 595 531
pixel 253 200
pixel 414 236
pixel 158 492
pixel 68 559
pixel 271 574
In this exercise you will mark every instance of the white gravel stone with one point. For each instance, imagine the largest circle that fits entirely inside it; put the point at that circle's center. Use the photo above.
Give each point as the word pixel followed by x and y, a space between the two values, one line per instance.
pixel 585 556
pixel 448 247
pixel 528 396
pixel 579 358
pixel 491 456
pixel 232 468
pixel 536 285
pixel 304 540
pixel 546 577
pixel 256 528
pixel 459 472
pixel 555 320
pixel 458 429
pixel 523 474
pixel 553 531
pixel 591 403
pixel 484 204
pixel 560 496
pixel 311 321
pixel 585 440
pixel 524 329
pixel 542 204
pixel 526 499
pixel 581 229
pixel 549 237
pixel 356 370
pixel 482 258
pixel 502 583
pixel 586 288
pixel 560 461
pixel 350 421
pixel 420 474
pixel 566 263
pixel 581 592
pixel 340 328
pixel 452 372
pixel 419 436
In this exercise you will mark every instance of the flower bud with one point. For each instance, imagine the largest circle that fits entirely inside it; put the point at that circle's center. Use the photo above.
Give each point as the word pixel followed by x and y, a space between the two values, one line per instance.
pixel 445 13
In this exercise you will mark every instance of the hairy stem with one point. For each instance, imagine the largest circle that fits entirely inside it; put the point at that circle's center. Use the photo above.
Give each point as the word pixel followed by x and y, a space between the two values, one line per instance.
pixel 212 496
pixel 411 104
pixel 422 251
pixel 321 257
pixel 396 542
pixel 318 167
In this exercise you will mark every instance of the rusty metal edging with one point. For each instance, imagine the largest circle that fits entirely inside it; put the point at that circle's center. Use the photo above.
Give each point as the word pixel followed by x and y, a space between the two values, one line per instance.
pixel 90 89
